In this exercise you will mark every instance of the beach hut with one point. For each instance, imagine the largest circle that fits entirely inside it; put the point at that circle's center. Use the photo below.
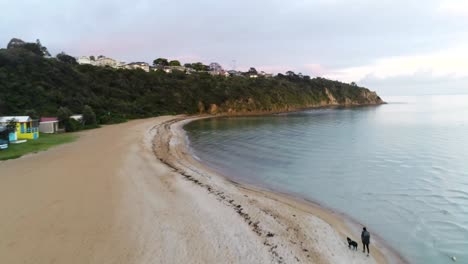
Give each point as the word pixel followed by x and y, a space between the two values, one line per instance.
pixel 26 128
pixel 4 137
pixel 48 125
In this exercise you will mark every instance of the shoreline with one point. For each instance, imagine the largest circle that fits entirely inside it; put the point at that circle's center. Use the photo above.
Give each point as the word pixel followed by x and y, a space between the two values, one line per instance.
pixel 177 155
pixel 107 198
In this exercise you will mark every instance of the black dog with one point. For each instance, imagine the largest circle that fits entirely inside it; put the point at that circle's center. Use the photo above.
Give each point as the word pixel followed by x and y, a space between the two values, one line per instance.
pixel 352 244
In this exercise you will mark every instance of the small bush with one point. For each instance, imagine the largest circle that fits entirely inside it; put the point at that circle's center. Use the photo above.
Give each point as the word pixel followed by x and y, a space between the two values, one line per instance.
pixel 71 125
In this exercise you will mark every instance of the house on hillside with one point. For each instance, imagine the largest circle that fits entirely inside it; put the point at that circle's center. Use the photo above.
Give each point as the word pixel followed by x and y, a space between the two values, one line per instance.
pixel 105 61
pixel 101 61
pixel 138 65
pixel 26 127
pixel 4 137
pixel 169 69
pixel 266 75
pixel 86 60
pixel 234 73
pixel 49 125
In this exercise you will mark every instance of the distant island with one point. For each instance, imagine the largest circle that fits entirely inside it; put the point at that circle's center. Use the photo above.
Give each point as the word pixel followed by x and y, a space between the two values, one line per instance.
pixel 33 81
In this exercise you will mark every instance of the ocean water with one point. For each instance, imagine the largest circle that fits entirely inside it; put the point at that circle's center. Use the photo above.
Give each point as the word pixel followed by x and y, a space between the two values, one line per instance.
pixel 401 169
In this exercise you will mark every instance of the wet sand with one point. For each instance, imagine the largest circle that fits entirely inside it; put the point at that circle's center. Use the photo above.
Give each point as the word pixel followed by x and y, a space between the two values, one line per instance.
pixel 131 193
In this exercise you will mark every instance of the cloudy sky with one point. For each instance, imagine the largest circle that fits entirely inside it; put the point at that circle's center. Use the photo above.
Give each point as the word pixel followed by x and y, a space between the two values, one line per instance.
pixel 397 47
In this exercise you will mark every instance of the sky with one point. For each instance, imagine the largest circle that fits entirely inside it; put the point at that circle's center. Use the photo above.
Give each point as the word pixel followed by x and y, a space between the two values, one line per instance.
pixel 395 47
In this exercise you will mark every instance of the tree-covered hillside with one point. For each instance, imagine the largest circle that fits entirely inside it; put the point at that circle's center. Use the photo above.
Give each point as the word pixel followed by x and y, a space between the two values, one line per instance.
pixel 30 82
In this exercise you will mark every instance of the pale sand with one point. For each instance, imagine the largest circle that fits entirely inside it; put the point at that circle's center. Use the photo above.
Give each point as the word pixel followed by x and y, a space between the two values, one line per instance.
pixel 106 198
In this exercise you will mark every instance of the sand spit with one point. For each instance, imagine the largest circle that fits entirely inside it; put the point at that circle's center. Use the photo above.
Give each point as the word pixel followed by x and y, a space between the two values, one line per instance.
pixel 107 198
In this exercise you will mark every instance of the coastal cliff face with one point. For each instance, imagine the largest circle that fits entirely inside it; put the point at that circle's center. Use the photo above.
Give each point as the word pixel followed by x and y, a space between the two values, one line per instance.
pixel 251 106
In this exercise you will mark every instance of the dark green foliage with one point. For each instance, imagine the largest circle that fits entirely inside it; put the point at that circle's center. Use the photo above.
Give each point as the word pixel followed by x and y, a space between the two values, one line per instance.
pixel 2 108
pixel 63 113
pixel 15 43
pixel 11 125
pixel 198 66
pixel 89 117
pixel 71 125
pixel 174 63
pixel 35 48
pixel 160 62
pixel 252 70
pixel 63 57
pixel 32 113
pixel 28 81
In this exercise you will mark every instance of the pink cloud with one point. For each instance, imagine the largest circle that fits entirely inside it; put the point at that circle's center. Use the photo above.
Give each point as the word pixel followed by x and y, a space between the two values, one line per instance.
pixel 315 69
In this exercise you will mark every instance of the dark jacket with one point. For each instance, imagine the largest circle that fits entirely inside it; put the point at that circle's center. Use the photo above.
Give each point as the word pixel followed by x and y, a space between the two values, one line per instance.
pixel 365 237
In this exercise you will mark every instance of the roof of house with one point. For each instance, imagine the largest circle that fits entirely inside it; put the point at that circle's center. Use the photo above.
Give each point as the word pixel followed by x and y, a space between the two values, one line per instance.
pixel 49 119
pixel 21 119
pixel 138 63
pixel 76 116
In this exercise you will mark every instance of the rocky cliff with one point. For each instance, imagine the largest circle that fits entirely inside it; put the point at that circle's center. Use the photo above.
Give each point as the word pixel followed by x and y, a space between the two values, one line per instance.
pixel 251 106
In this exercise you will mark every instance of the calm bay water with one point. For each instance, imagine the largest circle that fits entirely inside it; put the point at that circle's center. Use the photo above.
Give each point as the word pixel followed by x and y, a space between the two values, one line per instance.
pixel 401 169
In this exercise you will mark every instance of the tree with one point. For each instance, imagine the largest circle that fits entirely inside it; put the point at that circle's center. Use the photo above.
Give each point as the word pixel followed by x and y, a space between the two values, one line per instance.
pixel 89 117
pixel 32 47
pixel 215 67
pixel 32 113
pixel 252 70
pixel 290 73
pixel 63 114
pixel 92 58
pixel 44 51
pixel 2 107
pixel 160 62
pixel 63 57
pixel 71 125
pixel 198 66
pixel 11 125
pixel 353 84
pixel 15 43
pixel 35 48
pixel 174 63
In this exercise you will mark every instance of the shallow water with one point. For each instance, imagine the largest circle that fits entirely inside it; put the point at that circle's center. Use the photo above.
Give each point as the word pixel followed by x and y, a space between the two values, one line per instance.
pixel 401 169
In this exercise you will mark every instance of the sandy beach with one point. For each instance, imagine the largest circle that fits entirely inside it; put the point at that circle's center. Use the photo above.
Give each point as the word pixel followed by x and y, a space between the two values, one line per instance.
pixel 132 193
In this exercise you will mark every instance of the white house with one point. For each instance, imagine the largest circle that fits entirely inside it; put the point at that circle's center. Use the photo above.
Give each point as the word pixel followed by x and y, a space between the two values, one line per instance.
pixel 138 65
pixel 105 61
pixel 101 61
pixel 169 69
pixel 266 75
pixel 85 60
pixel 48 125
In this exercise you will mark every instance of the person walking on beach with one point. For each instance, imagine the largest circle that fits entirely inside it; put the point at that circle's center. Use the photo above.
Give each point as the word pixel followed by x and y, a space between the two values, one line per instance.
pixel 365 237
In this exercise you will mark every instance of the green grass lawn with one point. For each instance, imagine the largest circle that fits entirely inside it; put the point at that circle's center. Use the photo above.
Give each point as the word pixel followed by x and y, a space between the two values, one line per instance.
pixel 44 142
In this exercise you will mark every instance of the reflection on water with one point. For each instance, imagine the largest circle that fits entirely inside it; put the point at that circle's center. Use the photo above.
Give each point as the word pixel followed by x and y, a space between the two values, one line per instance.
pixel 400 169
